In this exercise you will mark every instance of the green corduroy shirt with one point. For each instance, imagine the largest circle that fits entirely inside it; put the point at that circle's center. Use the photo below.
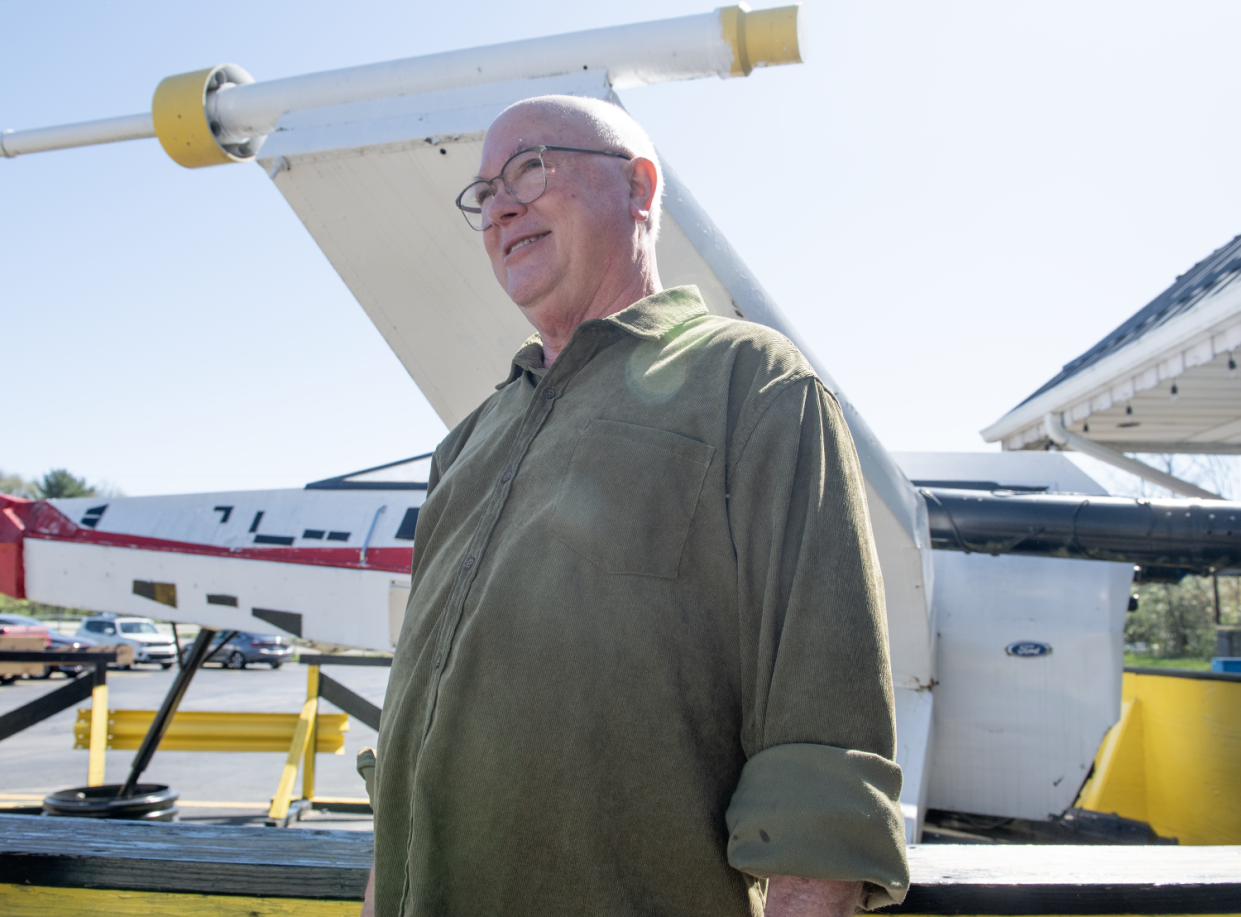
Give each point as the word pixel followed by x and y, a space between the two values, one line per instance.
pixel 644 662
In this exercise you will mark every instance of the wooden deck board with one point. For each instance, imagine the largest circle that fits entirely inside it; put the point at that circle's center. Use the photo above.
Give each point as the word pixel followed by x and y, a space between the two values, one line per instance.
pixel 268 862
pixel 1052 879
pixel 315 872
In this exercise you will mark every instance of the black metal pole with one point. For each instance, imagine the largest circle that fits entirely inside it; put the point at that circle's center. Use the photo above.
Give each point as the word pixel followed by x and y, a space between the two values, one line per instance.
pixel 176 638
pixel 1215 586
pixel 163 719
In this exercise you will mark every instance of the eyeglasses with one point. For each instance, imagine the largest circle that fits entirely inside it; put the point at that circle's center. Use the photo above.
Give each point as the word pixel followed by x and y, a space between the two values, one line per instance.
pixel 525 178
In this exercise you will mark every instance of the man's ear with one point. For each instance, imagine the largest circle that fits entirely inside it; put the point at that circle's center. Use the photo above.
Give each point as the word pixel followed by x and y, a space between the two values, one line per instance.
pixel 643 183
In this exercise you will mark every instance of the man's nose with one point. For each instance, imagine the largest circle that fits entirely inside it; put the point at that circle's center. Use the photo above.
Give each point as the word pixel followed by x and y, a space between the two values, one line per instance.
pixel 502 207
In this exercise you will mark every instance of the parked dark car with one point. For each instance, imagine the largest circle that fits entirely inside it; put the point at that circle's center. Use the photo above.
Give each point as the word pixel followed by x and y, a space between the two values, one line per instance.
pixel 245 649
pixel 63 644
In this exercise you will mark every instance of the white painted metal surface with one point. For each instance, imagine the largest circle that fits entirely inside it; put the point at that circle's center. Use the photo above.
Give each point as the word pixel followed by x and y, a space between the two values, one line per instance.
pixel 683 48
pixel 347 607
pixel 86 133
pixel 1016 736
pixel 292 551
pixel 194 519
pixel 914 723
pixel 688 47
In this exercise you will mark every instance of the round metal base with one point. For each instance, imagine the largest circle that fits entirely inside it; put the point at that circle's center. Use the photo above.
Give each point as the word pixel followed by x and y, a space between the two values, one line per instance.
pixel 149 802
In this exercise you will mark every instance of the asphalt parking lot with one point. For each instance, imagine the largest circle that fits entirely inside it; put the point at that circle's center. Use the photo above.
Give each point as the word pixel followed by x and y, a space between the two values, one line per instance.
pixel 215 787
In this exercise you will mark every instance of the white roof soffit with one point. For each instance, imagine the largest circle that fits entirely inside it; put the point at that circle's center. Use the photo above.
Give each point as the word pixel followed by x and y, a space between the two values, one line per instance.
pixel 374 183
pixel 1171 389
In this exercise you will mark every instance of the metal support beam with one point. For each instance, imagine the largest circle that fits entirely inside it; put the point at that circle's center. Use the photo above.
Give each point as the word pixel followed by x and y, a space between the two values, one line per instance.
pixel 1057 433
pixel 43 707
pixel 312 744
pixel 728 42
pixel 352 703
pixel 163 719
pixel 383 662
pixel 63 697
pixel 284 809
pixel 297 751
pixel 97 757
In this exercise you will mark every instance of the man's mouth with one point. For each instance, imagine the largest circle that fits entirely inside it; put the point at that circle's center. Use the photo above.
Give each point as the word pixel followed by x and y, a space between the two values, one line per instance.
pixel 526 241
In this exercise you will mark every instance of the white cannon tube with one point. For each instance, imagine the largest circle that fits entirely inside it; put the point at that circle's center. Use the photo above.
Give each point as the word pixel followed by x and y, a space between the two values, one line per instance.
pixel 687 47
pixel 86 133
pixel 633 55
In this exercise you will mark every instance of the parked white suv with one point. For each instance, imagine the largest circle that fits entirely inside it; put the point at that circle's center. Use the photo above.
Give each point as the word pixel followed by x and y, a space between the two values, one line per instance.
pixel 140 633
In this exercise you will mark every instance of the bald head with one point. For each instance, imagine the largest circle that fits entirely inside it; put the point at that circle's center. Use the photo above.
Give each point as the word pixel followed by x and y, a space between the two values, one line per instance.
pixel 582 244
pixel 595 124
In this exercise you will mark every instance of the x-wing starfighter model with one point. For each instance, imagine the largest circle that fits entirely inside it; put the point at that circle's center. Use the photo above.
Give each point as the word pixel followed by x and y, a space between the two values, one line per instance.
pixel 1007 668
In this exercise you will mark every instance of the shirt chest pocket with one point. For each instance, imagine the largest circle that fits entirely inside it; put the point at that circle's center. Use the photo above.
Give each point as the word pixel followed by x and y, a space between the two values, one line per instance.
pixel 628 497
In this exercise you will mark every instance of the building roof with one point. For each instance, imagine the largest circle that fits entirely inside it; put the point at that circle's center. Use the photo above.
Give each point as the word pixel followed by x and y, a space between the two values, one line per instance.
pixel 1162 381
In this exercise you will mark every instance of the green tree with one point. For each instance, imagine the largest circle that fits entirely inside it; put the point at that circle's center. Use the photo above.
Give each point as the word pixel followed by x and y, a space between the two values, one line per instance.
pixel 1175 621
pixel 60 483
pixel 16 486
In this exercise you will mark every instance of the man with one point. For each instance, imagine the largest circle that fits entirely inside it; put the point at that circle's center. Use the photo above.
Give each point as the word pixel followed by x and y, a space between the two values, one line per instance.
pixel 644 664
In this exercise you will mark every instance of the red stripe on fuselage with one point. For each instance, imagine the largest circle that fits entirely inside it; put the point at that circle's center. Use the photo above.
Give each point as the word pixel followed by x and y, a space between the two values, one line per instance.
pixel 14 514
pixel 49 524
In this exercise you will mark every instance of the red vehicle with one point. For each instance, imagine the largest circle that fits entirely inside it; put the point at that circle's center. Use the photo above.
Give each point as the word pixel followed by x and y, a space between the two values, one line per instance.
pixel 19 626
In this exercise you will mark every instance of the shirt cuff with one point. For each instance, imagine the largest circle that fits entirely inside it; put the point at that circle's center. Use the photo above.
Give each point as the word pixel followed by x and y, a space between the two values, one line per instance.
pixel 821 812
pixel 366 770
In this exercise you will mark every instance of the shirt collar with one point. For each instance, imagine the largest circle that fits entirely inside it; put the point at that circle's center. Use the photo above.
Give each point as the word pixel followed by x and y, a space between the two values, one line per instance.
pixel 653 317
pixel 528 360
pixel 650 319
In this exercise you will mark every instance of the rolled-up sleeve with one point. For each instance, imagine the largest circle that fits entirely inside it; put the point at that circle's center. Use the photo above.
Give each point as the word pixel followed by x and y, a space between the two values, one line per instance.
pixel 819 794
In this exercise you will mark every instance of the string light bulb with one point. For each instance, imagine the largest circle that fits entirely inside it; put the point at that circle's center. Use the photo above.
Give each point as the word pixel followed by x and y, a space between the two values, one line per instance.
pixel 1232 367
pixel 1129 410
pixel 1175 391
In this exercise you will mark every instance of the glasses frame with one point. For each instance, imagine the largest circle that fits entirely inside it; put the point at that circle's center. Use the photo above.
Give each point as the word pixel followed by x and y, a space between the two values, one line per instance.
pixel 467 210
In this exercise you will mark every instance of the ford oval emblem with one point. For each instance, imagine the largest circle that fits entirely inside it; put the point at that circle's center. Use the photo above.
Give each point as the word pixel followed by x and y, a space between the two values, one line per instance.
pixel 1028 648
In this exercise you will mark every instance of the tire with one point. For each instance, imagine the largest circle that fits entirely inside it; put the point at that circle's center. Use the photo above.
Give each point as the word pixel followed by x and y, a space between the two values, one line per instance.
pixel 7 679
pixel 275 665
pixel 236 660
pixel 165 666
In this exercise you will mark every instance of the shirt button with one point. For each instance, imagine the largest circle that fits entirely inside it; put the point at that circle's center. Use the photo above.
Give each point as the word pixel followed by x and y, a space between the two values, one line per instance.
pixel 549 393
pixel 438 659
pixel 469 562
pixel 506 477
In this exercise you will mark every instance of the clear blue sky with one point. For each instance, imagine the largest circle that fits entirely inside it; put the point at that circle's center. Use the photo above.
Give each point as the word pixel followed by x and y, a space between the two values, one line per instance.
pixel 950 200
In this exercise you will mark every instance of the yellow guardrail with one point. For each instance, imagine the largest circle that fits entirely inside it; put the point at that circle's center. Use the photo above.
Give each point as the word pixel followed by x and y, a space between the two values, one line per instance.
pixel 300 735
pixel 212 731
pixel 1173 759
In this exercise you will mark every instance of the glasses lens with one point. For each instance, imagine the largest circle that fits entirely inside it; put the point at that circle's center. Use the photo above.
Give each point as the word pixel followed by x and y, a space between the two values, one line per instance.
pixel 473 202
pixel 525 177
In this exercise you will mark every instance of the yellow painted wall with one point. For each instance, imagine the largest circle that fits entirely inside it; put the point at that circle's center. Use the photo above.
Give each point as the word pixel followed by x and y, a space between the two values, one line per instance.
pixel 1173 759
pixel 37 901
